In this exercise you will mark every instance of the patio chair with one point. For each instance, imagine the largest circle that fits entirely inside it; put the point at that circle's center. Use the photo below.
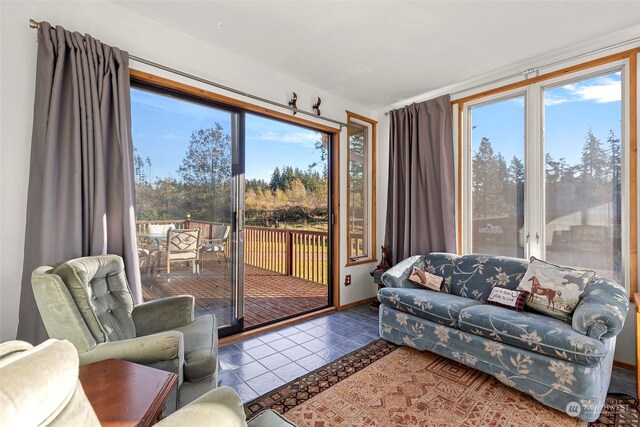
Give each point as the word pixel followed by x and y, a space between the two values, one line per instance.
pixel 183 246
pixel 88 302
pixel 217 245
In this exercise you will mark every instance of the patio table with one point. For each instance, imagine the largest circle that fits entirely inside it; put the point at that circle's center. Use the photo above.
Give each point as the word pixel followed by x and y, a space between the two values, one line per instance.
pixel 156 240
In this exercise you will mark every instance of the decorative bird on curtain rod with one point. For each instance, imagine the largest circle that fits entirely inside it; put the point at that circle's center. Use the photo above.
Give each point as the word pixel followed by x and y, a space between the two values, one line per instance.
pixel 293 103
pixel 316 106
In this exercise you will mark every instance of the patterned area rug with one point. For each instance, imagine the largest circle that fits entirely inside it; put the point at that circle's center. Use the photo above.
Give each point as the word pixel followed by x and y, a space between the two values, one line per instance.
pixel 406 387
pixel 620 410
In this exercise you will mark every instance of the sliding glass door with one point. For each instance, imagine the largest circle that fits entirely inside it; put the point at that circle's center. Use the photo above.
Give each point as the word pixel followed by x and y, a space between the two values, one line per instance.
pixel 187 159
pixel 254 189
pixel 286 233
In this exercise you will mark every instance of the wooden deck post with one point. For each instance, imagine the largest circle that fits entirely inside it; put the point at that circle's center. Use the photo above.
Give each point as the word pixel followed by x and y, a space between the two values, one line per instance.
pixel 289 253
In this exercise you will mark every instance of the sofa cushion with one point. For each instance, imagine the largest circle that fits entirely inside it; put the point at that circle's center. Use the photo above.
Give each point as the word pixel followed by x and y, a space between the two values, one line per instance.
pixel 475 275
pixel 532 331
pixel 441 264
pixel 437 307
pixel 554 290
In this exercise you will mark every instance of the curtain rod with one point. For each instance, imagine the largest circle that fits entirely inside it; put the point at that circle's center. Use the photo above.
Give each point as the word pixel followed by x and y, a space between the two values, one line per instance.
pixel 35 24
pixel 529 71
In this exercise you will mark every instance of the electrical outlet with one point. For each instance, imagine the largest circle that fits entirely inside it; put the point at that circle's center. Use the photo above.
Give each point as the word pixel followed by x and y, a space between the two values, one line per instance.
pixel 347 280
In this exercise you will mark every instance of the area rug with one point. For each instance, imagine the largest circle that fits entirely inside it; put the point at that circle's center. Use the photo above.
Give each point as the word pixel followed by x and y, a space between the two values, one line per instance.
pixel 383 385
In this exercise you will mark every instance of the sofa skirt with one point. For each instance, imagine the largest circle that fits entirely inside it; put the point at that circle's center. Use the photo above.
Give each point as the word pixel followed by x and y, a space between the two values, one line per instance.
pixel 554 382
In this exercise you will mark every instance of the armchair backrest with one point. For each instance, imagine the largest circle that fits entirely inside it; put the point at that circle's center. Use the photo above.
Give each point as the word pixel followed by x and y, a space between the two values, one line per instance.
pixel 98 292
pixel 40 386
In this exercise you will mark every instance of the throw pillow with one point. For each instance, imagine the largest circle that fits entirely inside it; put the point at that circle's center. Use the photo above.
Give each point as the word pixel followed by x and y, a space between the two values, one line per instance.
pixel 507 298
pixel 426 279
pixel 554 290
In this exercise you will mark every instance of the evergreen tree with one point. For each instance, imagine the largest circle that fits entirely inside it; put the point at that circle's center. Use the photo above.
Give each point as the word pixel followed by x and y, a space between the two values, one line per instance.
pixel 276 180
pixel 516 171
pixel 615 162
pixel 594 159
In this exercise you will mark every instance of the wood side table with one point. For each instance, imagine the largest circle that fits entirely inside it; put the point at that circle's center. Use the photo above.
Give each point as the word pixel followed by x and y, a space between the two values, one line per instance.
pixel 126 394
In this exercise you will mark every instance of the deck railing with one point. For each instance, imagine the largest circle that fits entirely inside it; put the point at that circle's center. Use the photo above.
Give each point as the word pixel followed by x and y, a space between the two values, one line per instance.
pixel 297 253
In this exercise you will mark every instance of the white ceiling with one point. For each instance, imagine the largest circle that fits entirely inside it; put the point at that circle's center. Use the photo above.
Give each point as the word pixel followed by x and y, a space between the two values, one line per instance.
pixel 376 53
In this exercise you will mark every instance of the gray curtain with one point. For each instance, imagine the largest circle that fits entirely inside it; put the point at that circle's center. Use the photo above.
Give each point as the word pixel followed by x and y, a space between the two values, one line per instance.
pixel 421 194
pixel 81 186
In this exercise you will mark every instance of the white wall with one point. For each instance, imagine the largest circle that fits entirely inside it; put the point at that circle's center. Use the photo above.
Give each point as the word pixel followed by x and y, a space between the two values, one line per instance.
pixel 626 341
pixel 147 39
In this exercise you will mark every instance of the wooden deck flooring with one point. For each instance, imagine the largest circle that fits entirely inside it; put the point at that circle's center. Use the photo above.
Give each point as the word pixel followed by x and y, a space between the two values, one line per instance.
pixel 268 295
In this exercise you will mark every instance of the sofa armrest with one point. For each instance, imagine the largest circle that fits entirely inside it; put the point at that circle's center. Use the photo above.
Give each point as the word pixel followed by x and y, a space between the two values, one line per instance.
pixel 163 347
pixel 163 314
pixel 396 276
pixel 219 407
pixel 601 310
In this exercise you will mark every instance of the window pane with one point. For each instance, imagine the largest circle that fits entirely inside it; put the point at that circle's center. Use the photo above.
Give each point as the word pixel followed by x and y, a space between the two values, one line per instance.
pixel 498 177
pixel 583 175
pixel 183 179
pixel 358 209
pixel 286 233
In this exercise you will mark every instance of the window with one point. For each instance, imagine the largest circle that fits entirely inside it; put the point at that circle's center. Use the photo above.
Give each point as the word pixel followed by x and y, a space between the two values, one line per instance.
pixel 361 137
pixel 545 170
pixel 583 174
pixel 497 147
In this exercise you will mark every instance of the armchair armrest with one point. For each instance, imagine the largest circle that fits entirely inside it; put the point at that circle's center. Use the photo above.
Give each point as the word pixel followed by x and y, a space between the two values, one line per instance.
pixel 162 347
pixel 601 310
pixel 220 407
pixel 163 314
pixel 396 276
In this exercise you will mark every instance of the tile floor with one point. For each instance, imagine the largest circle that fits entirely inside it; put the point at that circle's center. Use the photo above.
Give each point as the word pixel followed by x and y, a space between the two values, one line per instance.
pixel 258 365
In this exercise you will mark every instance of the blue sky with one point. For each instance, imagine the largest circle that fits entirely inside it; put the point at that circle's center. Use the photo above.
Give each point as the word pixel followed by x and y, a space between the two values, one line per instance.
pixel 570 111
pixel 162 127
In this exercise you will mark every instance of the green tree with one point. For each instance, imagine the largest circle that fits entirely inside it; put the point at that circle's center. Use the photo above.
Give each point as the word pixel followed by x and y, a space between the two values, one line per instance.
pixel 615 162
pixel 516 171
pixel 490 177
pixel 206 174
pixel 276 180
pixel 594 160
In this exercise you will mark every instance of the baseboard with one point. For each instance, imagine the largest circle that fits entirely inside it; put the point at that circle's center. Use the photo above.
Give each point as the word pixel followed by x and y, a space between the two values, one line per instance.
pixel 624 365
pixel 353 304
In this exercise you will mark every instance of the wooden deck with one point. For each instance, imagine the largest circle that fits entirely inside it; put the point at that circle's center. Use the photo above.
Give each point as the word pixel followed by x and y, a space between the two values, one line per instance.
pixel 268 295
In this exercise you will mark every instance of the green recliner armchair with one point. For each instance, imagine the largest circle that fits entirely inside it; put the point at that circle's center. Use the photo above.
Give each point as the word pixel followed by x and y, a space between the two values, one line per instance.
pixel 88 302
pixel 39 386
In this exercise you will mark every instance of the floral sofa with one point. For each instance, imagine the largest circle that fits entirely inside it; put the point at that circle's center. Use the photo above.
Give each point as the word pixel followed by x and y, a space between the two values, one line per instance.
pixel 557 363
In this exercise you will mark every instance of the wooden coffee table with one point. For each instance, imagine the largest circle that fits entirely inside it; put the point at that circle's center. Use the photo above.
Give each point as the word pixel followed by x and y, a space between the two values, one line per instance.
pixel 126 394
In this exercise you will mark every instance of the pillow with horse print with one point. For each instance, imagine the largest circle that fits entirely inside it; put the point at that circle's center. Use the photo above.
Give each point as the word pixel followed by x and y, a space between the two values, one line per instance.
pixel 554 290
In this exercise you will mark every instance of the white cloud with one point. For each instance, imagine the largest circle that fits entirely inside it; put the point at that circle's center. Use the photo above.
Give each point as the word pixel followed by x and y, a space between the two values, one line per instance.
pixel 551 99
pixel 604 90
pixel 307 139
pixel 600 90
